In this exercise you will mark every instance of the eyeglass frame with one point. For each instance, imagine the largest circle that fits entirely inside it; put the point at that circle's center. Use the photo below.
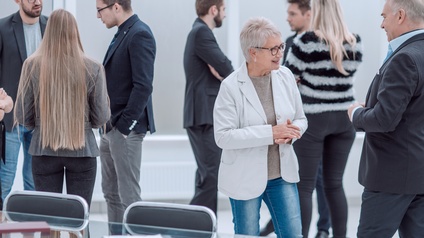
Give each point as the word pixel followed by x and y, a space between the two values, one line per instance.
pixel 281 47
pixel 103 8
pixel 33 1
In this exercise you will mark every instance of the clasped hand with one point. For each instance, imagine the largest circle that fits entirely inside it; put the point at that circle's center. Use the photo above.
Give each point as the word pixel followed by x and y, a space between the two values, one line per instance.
pixel 285 133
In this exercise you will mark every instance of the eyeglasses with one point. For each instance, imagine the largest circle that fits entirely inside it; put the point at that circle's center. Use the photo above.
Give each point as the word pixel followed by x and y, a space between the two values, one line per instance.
pixel 274 50
pixel 103 8
pixel 33 1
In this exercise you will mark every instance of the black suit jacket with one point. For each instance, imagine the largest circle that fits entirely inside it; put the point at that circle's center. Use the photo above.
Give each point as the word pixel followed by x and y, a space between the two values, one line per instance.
pixel 393 118
pixel 201 85
pixel 129 66
pixel 12 55
pixel 289 43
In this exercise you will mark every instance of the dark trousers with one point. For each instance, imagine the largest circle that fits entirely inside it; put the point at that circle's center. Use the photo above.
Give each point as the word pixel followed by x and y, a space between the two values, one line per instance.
pixel 324 220
pixel 79 172
pixel 327 140
pixel 384 213
pixel 208 157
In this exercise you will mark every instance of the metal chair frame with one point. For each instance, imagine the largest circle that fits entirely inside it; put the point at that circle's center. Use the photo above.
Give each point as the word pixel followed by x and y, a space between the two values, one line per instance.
pixel 178 218
pixel 49 207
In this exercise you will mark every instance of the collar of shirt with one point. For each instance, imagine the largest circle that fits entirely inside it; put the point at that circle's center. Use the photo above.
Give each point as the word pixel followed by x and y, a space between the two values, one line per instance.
pixel 395 43
pixel 126 23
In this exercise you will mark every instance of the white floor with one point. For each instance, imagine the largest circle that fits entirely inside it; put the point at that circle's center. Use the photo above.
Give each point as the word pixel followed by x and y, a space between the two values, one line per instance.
pixel 225 224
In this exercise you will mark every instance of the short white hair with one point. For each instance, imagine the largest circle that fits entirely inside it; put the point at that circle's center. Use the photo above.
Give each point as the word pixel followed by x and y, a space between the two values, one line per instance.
pixel 255 33
pixel 414 9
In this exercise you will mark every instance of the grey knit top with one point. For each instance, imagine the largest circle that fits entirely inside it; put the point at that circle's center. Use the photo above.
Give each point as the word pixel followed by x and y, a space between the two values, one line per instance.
pixel 263 88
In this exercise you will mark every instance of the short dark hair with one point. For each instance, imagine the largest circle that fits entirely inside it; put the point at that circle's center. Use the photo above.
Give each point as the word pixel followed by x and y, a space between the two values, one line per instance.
pixel 126 4
pixel 304 5
pixel 202 6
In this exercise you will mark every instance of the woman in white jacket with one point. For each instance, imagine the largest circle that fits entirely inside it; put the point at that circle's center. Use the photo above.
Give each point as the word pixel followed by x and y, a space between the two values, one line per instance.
pixel 258 115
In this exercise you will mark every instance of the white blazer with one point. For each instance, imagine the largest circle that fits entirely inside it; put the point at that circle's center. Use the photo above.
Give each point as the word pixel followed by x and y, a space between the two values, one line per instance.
pixel 241 130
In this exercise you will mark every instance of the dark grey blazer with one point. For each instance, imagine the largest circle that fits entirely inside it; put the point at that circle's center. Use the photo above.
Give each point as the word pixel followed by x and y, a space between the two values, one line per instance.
pixel 392 158
pixel 12 56
pixel 96 110
pixel 201 85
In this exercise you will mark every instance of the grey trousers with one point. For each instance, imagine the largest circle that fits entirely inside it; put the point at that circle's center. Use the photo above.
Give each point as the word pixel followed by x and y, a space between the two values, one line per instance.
pixel 120 162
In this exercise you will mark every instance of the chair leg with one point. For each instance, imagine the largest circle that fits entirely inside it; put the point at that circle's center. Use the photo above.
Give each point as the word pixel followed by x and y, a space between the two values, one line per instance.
pixel 73 235
pixel 76 234
pixel 55 234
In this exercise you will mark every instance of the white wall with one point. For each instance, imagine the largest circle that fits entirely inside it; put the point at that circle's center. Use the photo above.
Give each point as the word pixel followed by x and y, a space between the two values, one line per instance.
pixel 168 163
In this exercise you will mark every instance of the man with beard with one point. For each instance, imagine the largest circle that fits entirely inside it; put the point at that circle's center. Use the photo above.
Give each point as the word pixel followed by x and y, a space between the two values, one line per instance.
pixel 129 66
pixel 20 35
pixel 205 65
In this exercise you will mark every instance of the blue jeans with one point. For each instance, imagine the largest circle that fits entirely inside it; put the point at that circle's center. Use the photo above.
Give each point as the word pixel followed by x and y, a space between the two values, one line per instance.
pixel 282 200
pixel 8 170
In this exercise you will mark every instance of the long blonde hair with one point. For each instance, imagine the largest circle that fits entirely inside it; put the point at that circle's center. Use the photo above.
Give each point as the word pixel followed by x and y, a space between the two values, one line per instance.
pixel 328 23
pixel 62 91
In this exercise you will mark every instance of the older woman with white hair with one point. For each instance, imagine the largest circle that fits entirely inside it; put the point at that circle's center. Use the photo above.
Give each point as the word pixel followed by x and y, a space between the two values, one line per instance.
pixel 258 115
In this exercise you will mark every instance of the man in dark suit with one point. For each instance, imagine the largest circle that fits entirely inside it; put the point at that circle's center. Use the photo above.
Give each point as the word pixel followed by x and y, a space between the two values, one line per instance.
pixel 392 162
pixel 20 35
pixel 205 66
pixel 129 66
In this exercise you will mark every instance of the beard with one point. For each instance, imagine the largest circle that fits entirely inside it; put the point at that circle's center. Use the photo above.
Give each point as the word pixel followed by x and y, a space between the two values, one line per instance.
pixel 218 21
pixel 30 13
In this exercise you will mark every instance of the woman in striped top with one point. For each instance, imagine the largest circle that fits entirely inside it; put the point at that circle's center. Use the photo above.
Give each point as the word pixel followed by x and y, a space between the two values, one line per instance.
pixel 324 60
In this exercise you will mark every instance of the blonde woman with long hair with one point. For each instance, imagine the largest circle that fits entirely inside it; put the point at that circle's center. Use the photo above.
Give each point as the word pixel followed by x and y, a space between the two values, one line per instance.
pixel 324 61
pixel 62 96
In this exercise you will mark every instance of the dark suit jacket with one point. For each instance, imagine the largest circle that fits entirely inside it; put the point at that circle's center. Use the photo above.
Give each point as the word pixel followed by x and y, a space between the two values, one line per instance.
pixel 12 56
pixel 393 118
pixel 201 85
pixel 289 43
pixel 129 66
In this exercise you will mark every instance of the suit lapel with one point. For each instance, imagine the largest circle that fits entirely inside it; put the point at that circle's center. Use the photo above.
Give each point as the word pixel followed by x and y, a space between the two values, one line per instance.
pixel 43 23
pixel 18 30
pixel 119 39
pixel 376 81
pixel 277 88
pixel 249 91
pixel 115 45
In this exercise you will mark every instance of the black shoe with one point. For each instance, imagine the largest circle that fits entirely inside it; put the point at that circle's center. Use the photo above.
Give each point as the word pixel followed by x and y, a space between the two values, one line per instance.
pixel 268 229
pixel 322 234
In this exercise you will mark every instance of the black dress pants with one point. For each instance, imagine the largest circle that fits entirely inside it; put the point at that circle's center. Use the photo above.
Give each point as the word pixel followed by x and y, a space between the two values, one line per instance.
pixel 208 157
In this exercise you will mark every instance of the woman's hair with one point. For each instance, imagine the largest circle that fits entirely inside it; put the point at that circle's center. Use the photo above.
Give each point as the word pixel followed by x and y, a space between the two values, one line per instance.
pixel 413 8
pixel 62 90
pixel 328 23
pixel 255 33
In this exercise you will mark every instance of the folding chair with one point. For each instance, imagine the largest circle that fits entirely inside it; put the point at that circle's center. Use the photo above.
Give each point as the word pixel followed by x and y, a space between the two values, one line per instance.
pixel 176 220
pixel 63 212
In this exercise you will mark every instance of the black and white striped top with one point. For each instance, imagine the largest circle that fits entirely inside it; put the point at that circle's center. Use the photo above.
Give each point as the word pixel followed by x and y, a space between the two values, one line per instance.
pixel 321 86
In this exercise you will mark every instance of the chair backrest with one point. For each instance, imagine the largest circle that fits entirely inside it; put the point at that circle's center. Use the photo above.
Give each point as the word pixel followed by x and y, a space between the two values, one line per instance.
pixel 181 217
pixel 24 206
